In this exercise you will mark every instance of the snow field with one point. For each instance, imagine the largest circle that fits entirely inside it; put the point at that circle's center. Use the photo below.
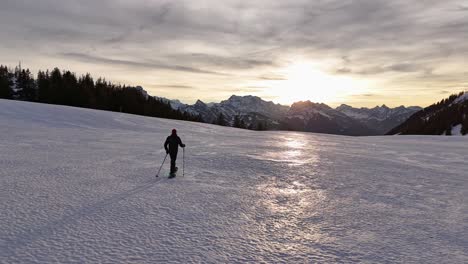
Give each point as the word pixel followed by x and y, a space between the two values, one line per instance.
pixel 78 186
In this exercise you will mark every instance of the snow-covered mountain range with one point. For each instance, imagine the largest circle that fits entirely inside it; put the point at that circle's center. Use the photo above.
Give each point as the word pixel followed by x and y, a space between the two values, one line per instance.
pixel 321 118
pixel 447 117
pixel 251 109
pixel 301 116
pixel 380 118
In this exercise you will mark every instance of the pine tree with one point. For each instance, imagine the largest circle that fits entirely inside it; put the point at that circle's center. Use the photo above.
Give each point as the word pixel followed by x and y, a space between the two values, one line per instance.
pixel 448 131
pixel 199 118
pixel 43 87
pixel 87 96
pixel 25 85
pixel 239 122
pixel 220 120
pixel 236 121
pixel 5 88
pixel 70 89
pixel 101 92
pixel 262 125
pixel 57 93
pixel 242 124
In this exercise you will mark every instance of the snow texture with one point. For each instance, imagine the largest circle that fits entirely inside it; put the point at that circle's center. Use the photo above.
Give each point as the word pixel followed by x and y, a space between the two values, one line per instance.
pixel 78 186
pixel 456 130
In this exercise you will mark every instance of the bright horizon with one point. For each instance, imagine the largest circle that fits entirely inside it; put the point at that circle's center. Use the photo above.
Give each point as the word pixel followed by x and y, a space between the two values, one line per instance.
pixel 361 54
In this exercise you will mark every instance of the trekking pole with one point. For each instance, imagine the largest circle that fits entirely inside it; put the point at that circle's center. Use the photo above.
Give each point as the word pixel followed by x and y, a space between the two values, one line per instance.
pixel 157 174
pixel 183 162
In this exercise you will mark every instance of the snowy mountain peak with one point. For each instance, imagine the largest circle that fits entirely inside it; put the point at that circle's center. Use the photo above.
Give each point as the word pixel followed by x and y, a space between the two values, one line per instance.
pixel 252 109
pixel 310 105
pixel 245 97
pixel 247 102
pixel 344 106
pixel 200 103
pixel 307 109
pixel 254 104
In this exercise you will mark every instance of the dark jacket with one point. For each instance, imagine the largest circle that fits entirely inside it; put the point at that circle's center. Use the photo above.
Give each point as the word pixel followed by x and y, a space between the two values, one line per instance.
pixel 172 144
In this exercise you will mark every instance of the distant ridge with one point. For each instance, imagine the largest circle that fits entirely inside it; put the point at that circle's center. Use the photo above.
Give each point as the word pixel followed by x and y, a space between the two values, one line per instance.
pixel 447 117
pixel 380 118
pixel 255 113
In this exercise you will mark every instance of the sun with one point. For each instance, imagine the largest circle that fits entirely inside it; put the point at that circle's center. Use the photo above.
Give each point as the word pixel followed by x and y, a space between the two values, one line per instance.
pixel 305 81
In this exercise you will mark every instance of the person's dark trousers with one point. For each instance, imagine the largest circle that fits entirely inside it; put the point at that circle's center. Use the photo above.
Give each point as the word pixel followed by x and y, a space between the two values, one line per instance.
pixel 173 161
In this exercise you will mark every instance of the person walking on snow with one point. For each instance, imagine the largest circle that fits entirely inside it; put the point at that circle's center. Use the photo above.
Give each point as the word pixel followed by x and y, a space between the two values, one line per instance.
pixel 172 147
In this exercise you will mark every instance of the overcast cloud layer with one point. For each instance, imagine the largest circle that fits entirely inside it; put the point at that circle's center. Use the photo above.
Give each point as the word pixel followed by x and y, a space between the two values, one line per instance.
pixel 409 52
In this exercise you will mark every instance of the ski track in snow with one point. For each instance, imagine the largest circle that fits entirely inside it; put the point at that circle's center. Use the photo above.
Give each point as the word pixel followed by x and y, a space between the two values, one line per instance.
pixel 78 186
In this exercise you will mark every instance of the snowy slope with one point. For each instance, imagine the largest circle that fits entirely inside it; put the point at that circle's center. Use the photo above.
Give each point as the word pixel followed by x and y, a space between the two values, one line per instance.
pixel 456 130
pixel 462 98
pixel 438 119
pixel 77 185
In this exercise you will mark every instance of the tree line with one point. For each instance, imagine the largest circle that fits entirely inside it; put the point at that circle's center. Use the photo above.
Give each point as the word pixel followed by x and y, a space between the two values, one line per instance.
pixel 238 122
pixel 65 88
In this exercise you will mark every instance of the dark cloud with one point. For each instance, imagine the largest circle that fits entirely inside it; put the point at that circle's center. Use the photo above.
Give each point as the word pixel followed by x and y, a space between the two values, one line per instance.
pixel 343 71
pixel 175 86
pixel 149 65
pixel 272 77
pixel 234 38
pixel 462 8
pixel 247 34
pixel 398 68
pixel 221 61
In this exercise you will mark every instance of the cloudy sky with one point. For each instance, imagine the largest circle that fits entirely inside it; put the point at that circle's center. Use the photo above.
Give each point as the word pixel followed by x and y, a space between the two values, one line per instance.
pixel 362 52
